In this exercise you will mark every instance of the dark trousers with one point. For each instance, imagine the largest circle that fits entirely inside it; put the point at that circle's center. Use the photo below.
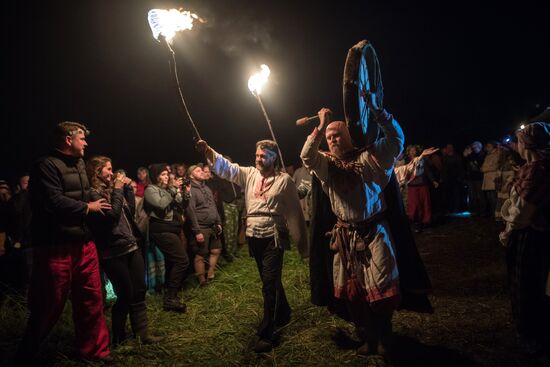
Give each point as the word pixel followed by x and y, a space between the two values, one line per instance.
pixel 175 257
pixel 489 203
pixel 127 274
pixel 56 271
pixel 475 198
pixel 269 260
pixel 528 260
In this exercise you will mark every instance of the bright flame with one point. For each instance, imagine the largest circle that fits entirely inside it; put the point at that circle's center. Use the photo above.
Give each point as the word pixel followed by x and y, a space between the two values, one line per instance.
pixel 168 22
pixel 522 126
pixel 257 81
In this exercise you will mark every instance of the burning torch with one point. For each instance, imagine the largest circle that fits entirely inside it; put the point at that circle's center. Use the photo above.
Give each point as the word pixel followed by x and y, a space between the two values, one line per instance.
pixel 164 25
pixel 255 85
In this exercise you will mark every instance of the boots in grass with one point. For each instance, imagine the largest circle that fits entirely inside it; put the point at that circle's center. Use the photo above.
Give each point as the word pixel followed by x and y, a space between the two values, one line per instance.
pixel 118 328
pixel 369 338
pixel 172 302
pixel 386 345
pixel 138 320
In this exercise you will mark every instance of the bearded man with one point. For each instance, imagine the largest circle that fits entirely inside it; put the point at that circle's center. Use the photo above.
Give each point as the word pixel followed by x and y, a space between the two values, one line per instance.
pixel 365 270
pixel 272 213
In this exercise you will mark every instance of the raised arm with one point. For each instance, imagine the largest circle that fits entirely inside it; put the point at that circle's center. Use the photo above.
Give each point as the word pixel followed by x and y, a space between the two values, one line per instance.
pixel 223 167
pixel 312 159
pixel 387 149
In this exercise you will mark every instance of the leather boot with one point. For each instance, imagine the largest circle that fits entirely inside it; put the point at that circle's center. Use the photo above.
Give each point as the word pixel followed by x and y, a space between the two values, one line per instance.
pixel 369 339
pixel 138 320
pixel 118 325
pixel 172 302
pixel 385 347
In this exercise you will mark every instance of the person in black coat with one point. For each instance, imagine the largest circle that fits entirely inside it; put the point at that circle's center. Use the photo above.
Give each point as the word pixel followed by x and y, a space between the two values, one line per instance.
pixel 117 236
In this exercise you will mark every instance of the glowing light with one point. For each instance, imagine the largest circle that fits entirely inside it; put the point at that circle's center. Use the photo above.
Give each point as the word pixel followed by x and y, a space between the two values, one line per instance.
pixel 257 81
pixel 522 126
pixel 168 22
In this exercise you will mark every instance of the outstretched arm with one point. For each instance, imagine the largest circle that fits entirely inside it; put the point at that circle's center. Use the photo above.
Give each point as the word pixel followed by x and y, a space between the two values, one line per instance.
pixel 223 167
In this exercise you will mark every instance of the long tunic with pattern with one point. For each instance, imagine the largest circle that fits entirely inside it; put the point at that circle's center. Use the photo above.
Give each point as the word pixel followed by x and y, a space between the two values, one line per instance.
pixel 358 199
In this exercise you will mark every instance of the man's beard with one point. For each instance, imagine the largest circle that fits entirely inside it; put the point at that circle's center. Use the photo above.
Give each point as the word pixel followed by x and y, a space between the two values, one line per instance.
pixel 337 151
pixel 78 153
pixel 260 167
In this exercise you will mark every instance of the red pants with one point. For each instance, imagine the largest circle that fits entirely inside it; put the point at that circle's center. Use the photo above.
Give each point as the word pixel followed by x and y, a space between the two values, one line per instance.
pixel 418 204
pixel 56 271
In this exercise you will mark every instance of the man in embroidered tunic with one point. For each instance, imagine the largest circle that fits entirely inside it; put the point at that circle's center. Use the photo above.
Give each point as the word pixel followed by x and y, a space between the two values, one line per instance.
pixel 364 270
pixel 272 211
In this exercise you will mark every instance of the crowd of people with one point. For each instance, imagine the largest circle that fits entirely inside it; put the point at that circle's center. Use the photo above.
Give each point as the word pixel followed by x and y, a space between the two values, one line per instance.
pixel 70 226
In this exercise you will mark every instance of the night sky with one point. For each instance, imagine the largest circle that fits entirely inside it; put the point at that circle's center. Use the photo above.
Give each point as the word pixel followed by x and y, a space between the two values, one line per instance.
pixel 451 72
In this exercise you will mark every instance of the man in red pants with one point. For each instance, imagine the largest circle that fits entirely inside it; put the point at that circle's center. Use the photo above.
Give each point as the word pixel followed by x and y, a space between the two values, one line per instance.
pixel 65 258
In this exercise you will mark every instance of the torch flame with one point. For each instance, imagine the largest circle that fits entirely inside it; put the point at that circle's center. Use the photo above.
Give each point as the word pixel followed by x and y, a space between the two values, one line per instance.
pixel 258 80
pixel 168 22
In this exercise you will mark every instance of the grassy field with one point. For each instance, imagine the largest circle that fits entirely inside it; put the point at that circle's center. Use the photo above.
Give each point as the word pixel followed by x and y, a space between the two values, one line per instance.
pixel 471 325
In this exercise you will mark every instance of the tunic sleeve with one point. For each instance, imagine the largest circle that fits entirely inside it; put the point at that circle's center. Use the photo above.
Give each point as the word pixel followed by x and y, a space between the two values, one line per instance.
pixel 230 171
pixel 313 160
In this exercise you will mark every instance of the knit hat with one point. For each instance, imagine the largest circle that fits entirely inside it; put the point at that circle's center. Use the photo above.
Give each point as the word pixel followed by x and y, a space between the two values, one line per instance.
pixel 155 170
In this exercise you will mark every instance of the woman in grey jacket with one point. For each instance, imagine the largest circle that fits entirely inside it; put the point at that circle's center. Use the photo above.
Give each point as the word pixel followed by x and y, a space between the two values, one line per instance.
pixel 165 202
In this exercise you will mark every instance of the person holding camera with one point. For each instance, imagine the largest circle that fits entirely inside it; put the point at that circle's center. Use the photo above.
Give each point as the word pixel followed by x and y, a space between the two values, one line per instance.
pixel 205 224
pixel 165 201
pixel 116 237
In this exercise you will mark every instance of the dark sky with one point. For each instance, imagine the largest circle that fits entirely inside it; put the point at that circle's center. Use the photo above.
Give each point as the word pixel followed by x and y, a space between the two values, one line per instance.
pixel 451 73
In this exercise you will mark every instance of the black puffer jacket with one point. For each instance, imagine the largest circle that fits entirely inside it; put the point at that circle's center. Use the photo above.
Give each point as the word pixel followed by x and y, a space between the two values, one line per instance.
pixel 59 194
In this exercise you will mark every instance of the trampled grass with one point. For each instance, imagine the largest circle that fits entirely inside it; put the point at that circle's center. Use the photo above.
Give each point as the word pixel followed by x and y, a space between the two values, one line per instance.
pixel 218 328
pixel 471 325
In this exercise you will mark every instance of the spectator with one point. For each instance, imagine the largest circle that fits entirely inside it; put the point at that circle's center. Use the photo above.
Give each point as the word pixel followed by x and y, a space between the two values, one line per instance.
pixel 504 179
pixel 116 236
pixel 163 201
pixel 419 208
pixel 217 185
pixel 490 168
pixel 180 170
pixel 142 181
pixel 527 217
pixel 6 267
pixel 20 234
pixel 205 225
pixel 64 257
pixel 473 160
pixel 230 196
pixel 5 196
